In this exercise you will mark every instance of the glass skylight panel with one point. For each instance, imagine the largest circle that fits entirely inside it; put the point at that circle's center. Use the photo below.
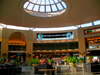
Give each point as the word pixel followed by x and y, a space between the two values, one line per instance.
pixel 86 25
pixel 59 6
pixel 54 8
pixel 42 9
pixel 56 1
pixel 97 22
pixel 36 8
pixel 38 1
pixel 30 6
pixel 51 1
pixel 43 2
pixel 30 0
pixel 47 2
pixel 64 4
pixel 34 1
pixel 48 9
pixel 25 5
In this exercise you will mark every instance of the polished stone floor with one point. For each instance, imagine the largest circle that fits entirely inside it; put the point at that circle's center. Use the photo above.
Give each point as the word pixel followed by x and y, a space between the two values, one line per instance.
pixel 62 73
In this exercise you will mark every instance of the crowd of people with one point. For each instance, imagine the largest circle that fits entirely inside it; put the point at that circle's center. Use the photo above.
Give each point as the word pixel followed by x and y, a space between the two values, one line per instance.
pixel 52 60
pixel 49 60
pixel 89 60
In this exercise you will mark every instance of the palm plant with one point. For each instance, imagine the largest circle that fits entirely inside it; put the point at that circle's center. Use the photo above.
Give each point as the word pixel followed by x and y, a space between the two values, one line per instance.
pixel 29 56
pixel 1 61
pixel 73 60
pixel 50 60
pixel 4 55
pixel 34 61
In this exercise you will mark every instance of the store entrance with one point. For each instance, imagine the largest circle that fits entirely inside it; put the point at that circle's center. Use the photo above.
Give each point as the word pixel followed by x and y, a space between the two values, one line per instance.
pixel 19 56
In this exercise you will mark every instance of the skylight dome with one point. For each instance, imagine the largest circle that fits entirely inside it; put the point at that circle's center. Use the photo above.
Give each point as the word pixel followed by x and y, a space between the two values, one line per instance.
pixel 44 8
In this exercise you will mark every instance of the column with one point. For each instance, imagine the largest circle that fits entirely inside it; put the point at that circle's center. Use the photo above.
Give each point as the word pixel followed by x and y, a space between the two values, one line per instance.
pixel 81 42
pixel 29 48
pixel 4 47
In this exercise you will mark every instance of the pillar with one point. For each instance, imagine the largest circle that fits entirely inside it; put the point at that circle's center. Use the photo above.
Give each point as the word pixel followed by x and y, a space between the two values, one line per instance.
pixel 4 47
pixel 29 48
pixel 81 42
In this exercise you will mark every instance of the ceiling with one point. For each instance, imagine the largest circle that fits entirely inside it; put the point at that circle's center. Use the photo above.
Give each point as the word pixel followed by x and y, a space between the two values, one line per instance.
pixel 78 12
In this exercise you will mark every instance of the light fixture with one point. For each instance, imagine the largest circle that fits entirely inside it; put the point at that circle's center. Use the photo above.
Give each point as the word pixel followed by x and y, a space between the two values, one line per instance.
pixel 44 8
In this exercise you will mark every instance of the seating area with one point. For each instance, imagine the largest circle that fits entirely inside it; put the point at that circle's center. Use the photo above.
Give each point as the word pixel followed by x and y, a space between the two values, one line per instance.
pixel 10 69
pixel 81 68
pixel 56 69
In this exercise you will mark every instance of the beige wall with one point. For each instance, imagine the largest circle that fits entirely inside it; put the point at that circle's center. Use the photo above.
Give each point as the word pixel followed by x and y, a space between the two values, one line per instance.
pixel 31 37
pixel 5 39
pixel 8 32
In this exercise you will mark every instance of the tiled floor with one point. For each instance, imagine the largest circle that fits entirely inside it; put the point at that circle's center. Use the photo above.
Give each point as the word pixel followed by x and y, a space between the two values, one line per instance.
pixel 64 73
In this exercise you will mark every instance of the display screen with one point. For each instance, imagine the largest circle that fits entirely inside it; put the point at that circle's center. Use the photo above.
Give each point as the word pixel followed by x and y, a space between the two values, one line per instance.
pixel 55 36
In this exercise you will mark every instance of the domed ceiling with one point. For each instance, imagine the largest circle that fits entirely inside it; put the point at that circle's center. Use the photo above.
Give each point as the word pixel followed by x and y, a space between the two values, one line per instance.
pixel 78 12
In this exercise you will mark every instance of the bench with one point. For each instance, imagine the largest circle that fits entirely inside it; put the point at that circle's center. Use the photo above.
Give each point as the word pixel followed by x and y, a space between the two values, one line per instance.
pixel 47 70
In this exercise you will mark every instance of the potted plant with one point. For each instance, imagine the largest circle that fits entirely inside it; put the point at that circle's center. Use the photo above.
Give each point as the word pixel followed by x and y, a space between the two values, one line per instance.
pixel 72 60
pixel 16 61
pixel 1 61
pixel 65 60
pixel 4 55
pixel 81 60
pixel 34 62
pixel 50 61
pixel 90 56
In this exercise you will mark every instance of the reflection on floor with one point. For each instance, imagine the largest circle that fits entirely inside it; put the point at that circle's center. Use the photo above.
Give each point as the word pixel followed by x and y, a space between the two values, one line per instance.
pixel 63 73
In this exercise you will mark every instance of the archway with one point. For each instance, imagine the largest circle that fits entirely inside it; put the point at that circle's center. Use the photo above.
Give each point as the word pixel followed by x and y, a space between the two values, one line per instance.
pixel 17 38
pixel 17 46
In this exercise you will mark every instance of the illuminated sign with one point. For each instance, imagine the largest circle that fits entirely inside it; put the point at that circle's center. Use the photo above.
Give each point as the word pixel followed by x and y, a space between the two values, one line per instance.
pixel 55 36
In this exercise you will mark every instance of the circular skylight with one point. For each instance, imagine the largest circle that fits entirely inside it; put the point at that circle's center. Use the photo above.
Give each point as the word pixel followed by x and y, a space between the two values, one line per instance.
pixel 44 8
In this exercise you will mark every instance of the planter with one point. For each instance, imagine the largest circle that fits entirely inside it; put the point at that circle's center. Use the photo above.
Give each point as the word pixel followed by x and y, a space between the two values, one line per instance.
pixel 81 61
pixel 70 64
pixel 72 68
pixel 34 68
pixel 35 65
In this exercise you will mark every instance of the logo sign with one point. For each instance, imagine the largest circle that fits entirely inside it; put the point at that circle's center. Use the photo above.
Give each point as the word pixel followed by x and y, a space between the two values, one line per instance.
pixel 55 36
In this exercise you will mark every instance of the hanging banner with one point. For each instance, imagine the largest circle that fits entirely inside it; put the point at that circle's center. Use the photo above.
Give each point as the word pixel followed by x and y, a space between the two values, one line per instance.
pixel 55 36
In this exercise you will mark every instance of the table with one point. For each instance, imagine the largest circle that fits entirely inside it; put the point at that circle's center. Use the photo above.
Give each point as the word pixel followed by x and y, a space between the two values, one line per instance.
pixel 47 70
